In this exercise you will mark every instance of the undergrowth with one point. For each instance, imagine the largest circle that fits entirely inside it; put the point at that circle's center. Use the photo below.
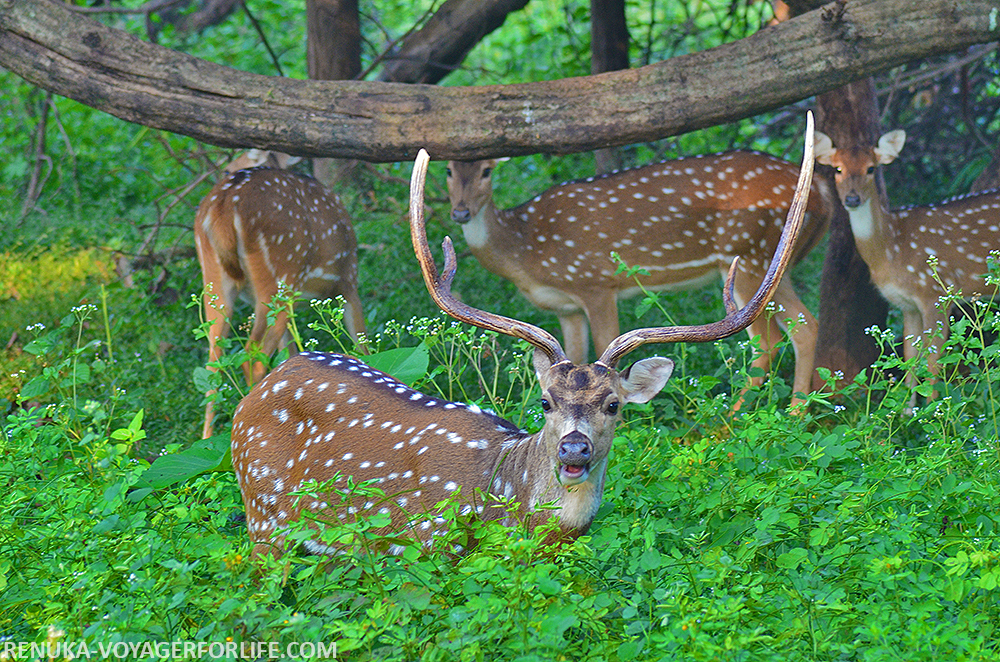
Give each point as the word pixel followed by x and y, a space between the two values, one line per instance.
pixel 858 530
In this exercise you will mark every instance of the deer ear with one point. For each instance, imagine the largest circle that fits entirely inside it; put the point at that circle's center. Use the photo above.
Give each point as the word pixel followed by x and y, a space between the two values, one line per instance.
pixel 257 156
pixel 541 362
pixel 889 146
pixel 823 148
pixel 644 379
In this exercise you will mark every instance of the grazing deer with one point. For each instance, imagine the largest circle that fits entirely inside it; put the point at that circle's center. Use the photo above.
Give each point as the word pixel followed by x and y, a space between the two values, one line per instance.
pixel 959 232
pixel 683 221
pixel 318 416
pixel 263 225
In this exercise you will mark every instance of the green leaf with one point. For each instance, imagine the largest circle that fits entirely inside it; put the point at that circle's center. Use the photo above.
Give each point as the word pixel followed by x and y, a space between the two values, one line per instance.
pixel 559 619
pixel 81 373
pixel 204 379
pixel 630 650
pixel 37 387
pixel 643 306
pixel 41 345
pixel 212 454
pixel 106 524
pixel 792 558
pixel 407 364
pixel 955 589
pixel 650 560
pixel 549 586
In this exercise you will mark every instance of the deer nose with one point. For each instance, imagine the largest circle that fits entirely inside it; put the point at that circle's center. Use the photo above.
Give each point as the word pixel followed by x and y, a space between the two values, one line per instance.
pixel 461 214
pixel 852 200
pixel 574 449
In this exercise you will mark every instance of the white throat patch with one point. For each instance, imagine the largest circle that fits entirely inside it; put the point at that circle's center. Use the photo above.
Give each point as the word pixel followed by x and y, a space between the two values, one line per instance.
pixel 475 231
pixel 862 223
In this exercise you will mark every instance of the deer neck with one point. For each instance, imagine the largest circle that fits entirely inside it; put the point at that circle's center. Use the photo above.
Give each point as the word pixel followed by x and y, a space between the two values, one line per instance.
pixel 871 224
pixel 527 474
pixel 495 237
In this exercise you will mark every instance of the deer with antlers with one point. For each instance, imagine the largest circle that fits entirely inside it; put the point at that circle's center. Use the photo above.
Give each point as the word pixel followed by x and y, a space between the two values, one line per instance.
pixel 262 225
pixel 328 417
pixel 896 245
pixel 682 221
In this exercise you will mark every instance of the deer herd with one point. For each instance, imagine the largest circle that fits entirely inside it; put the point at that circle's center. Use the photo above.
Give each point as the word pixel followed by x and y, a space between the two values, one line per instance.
pixel 743 216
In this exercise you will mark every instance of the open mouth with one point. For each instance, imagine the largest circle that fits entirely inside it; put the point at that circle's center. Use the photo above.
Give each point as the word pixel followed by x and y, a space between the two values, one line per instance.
pixel 571 474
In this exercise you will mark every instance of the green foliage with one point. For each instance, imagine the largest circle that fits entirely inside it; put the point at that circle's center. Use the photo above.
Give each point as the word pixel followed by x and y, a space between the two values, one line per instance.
pixel 853 531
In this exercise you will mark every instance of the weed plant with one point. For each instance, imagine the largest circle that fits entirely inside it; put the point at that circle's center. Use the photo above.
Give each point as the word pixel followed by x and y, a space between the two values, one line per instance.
pixel 855 531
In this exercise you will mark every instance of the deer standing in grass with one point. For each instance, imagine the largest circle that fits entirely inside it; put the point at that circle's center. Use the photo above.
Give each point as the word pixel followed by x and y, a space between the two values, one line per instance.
pixel 683 221
pixel 263 225
pixel 320 416
pixel 896 245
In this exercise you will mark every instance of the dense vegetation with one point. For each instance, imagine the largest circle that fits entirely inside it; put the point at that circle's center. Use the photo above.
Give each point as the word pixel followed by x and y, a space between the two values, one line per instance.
pixel 858 531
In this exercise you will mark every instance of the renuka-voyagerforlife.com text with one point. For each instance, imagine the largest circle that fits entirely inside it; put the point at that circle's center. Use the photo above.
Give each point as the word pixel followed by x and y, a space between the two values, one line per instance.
pixel 245 650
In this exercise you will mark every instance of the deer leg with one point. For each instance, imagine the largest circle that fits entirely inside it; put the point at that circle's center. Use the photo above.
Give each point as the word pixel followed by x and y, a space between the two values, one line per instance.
pixel 769 333
pixel 354 317
pixel 219 297
pixel 574 332
pixel 601 308
pixel 936 334
pixel 803 337
pixel 263 337
pixel 913 331
pixel 266 339
pixel 765 326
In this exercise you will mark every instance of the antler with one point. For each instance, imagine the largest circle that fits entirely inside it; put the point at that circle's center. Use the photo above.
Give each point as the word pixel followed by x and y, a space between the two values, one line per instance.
pixel 440 286
pixel 735 320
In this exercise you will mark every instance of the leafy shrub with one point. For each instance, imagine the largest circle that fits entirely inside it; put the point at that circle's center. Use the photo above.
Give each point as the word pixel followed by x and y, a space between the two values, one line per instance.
pixel 853 531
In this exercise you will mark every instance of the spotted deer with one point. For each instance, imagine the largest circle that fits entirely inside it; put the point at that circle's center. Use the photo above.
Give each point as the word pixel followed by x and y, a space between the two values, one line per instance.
pixel 263 225
pixel 329 417
pixel 683 221
pixel 896 245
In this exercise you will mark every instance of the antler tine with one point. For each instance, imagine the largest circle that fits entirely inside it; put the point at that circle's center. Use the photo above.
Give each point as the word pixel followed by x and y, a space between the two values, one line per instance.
pixel 735 320
pixel 439 287
pixel 728 298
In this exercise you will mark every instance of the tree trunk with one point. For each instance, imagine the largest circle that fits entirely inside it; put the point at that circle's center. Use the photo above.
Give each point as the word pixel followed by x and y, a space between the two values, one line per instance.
pixel 333 39
pixel 333 52
pixel 849 302
pixel 209 13
pixel 609 41
pixel 59 50
pixel 436 49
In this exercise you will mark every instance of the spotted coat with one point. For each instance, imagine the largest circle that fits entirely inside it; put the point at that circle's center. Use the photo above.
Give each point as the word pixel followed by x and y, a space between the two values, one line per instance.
pixel 682 221
pixel 321 417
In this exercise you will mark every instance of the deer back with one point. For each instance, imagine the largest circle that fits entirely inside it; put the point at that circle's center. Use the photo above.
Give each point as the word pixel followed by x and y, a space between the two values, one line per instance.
pixel 267 225
pixel 677 219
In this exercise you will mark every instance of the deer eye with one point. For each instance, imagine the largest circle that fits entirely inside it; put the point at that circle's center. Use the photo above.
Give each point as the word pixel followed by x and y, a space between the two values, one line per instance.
pixel 487 172
pixel 447 171
pixel 546 405
pixel 613 408
pixel 871 170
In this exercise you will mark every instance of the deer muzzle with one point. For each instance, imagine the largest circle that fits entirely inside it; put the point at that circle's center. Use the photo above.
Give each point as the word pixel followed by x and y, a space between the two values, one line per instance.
pixel 461 214
pixel 575 451
pixel 852 200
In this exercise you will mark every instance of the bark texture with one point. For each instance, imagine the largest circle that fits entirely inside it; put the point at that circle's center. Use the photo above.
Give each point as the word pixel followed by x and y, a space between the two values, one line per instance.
pixel 609 41
pixel 432 52
pixel 333 40
pixel 49 45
